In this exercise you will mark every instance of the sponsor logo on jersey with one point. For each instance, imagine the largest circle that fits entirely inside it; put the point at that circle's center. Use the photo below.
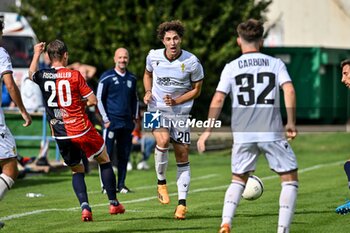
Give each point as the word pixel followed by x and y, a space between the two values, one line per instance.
pixel 56 121
pixel 60 113
pixel 168 81
pixel 53 121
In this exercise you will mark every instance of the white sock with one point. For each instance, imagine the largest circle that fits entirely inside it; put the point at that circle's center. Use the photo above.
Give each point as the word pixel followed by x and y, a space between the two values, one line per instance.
pixel 183 178
pixel 287 202
pixel 161 161
pixel 232 199
pixel 6 183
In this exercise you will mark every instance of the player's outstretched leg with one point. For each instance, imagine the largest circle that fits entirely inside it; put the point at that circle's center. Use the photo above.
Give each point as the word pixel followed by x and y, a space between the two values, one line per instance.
pixel 232 198
pixel 287 204
pixel 161 164
pixel 109 183
pixel 183 178
pixel 79 186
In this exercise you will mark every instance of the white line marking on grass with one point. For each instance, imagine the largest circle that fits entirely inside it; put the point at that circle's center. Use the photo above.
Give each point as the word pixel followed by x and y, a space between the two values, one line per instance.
pixel 171 183
pixel 14 216
pixel 35 212
pixel 308 169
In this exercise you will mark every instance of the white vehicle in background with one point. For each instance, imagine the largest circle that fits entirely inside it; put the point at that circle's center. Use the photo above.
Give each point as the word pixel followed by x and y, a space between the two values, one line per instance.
pixel 18 39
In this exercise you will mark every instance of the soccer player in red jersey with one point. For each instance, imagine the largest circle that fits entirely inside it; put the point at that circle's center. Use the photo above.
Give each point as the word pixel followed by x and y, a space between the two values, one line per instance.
pixel 66 93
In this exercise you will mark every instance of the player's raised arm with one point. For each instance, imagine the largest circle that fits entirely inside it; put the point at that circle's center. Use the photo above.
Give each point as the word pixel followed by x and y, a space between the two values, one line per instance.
pixel 214 111
pixel 38 49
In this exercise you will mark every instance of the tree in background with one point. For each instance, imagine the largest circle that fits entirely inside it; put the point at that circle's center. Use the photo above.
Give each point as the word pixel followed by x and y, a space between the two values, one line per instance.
pixel 94 29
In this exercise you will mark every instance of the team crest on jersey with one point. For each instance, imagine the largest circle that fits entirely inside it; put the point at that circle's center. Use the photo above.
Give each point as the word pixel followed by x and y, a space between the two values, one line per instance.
pixel 182 67
pixel 129 83
pixel 110 134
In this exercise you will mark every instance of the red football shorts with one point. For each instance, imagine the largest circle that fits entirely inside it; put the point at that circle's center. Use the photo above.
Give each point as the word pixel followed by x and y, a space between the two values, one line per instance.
pixel 91 143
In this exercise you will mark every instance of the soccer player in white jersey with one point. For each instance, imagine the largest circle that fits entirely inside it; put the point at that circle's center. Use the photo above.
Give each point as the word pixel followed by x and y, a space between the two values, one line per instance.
pixel 254 80
pixel 8 153
pixel 172 80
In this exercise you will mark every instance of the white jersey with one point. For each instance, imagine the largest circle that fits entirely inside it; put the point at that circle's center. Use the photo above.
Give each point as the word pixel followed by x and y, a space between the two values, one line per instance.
pixel 7 142
pixel 254 81
pixel 172 78
pixel 5 67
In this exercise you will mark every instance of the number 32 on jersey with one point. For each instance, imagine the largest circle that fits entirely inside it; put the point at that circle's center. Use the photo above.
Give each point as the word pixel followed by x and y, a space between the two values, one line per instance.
pixel 265 83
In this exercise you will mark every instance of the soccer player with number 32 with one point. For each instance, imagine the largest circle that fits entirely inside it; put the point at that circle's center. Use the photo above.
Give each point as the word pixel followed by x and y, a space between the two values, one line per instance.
pixel 253 81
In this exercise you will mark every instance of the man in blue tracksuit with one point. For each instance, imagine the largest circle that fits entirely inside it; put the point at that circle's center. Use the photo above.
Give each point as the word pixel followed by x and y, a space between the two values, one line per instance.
pixel 118 106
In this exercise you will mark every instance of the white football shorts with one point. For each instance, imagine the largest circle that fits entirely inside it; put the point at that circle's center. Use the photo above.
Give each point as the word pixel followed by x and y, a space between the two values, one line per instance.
pixel 279 155
pixel 178 129
pixel 7 144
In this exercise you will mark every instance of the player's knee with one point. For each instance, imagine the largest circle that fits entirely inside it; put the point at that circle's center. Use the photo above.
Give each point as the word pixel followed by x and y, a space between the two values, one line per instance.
pixel 79 168
pixel 289 176
pixel 102 158
pixel 162 140
pixel 6 183
pixel 240 177
pixel 163 143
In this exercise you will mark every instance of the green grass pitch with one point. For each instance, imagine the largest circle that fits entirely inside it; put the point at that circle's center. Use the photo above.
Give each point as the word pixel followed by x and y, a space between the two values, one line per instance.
pixel 323 186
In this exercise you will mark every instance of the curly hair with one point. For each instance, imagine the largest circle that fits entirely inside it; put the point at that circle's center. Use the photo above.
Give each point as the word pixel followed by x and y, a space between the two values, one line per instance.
pixel 251 31
pixel 174 25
